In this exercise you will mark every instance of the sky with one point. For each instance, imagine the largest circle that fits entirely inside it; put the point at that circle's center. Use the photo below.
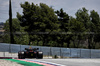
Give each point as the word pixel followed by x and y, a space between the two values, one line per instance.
pixel 69 6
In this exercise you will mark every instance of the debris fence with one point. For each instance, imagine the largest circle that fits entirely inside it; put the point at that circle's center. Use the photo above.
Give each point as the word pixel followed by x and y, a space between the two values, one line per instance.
pixel 9 50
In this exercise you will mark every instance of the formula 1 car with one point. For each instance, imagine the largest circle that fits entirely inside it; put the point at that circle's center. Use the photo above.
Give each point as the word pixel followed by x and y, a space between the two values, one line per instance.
pixel 30 53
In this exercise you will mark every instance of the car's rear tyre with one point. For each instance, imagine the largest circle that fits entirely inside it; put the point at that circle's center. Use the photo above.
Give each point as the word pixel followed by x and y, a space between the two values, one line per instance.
pixel 22 56
pixel 39 56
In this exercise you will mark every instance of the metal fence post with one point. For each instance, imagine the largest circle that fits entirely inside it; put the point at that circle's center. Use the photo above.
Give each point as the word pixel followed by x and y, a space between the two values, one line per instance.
pixel 90 53
pixel 77 54
pixel 9 48
pixel 80 53
pixel 48 54
pixel 60 52
pixel 70 52
pixel 20 47
pixel 4 54
pixel 40 48
pixel 50 51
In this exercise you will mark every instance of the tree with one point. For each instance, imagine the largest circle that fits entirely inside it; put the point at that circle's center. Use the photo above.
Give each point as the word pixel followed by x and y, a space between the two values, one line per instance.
pixel 83 16
pixel 19 37
pixel 95 27
pixel 77 29
pixel 63 19
pixel 38 19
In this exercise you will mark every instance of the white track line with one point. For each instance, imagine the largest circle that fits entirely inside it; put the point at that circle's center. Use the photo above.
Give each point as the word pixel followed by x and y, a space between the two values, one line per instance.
pixel 46 62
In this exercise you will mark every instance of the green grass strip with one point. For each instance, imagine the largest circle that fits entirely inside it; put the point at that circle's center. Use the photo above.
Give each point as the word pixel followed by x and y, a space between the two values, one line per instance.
pixel 24 63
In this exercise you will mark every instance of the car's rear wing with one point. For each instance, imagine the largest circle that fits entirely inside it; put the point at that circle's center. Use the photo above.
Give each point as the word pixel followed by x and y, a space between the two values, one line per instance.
pixel 31 49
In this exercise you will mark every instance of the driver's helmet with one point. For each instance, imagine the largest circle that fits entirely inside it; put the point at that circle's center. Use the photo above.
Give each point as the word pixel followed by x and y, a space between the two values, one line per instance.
pixel 30 47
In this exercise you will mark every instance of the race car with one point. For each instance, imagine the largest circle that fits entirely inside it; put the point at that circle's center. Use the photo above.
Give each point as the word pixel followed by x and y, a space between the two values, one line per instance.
pixel 30 53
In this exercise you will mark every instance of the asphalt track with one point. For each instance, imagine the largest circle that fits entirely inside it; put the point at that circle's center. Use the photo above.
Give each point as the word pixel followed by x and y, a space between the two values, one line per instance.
pixel 64 62
pixel 70 62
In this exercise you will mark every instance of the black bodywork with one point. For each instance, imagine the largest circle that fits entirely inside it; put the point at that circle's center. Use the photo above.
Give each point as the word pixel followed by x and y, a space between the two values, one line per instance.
pixel 30 53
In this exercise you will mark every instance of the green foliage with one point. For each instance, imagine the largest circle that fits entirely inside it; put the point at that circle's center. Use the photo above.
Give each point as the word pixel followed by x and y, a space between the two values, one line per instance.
pixel 19 37
pixel 42 26
pixel 63 20
pixel 38 19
